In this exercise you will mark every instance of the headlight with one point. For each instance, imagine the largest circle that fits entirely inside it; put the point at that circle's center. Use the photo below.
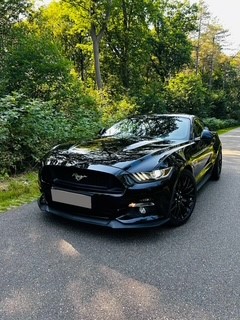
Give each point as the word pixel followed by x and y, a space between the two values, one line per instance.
pixel 154 175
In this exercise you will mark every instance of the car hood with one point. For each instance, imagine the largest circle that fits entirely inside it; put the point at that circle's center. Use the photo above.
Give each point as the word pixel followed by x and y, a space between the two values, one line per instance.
pixel 124 154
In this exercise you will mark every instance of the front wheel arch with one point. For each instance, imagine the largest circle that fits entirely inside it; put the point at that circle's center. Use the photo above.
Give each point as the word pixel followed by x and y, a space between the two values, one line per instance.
pixel 217 168
pixel 183 198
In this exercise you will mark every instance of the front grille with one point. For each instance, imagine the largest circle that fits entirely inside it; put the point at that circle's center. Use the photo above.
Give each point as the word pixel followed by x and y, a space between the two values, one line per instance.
pixel 89 180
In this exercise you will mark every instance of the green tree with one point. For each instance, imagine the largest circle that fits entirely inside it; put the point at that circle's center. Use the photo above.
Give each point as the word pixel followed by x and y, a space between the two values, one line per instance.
pixel 203 17
pixel 186 94
pixel 35 66
pixel 224 93
pixel 146 41
pixel 126 51
pixel 96 14
pixel 65 23
pixel 11 11
pixel 214 66
pixel 171 48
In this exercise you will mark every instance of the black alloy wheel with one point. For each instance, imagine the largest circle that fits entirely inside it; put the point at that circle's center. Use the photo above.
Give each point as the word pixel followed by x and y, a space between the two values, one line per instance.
pixel 183 199
pixel 217 167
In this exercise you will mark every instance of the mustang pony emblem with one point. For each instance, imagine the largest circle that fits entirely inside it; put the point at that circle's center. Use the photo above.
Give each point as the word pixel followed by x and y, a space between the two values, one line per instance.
pixel 78 177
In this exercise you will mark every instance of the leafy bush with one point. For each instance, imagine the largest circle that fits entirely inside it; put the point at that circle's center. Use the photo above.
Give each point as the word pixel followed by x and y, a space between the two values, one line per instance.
pixel 28 128
pixel 35 66
pixel 217 124
pixel 185 93
pixel 113 109
pixel 151 98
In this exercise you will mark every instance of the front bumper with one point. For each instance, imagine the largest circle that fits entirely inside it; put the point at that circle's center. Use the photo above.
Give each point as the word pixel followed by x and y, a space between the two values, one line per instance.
pixel 128 221
pixel 139 206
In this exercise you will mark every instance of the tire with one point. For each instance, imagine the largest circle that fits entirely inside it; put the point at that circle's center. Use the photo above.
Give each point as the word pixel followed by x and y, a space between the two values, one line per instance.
pixel 183 199
pixel 217 167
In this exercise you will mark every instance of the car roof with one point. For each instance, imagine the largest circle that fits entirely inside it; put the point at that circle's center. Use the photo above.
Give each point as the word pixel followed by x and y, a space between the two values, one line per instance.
pixel 182 115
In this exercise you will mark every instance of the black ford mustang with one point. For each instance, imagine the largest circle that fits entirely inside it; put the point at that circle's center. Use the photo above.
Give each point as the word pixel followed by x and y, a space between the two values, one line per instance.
pixel 142 172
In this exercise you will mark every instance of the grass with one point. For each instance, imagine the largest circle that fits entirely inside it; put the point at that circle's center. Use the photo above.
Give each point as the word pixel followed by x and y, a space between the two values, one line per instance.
pixel 222 131
pixel 18 190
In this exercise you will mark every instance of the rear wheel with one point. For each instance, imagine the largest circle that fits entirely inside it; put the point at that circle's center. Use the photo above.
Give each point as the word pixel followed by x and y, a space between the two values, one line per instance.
pixel 183 199
pixel 217 167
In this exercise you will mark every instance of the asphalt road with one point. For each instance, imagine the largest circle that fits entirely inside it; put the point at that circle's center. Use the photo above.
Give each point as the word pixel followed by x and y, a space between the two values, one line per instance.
pixel 53 269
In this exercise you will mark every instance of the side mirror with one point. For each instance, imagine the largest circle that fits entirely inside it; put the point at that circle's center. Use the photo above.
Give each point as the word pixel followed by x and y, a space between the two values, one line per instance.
pixel 206 135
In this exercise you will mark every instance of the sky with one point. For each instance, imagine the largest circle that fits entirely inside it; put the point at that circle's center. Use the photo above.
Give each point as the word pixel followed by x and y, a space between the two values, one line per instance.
pixel 227 13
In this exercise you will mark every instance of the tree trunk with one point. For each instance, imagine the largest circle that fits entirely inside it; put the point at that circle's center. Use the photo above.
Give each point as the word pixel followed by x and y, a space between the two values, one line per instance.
pixel 198 45
pixel 96 56
pixel 125 53
pixel 96 39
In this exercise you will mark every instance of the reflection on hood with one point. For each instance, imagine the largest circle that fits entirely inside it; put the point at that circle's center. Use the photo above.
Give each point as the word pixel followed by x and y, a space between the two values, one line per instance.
pixel 107 151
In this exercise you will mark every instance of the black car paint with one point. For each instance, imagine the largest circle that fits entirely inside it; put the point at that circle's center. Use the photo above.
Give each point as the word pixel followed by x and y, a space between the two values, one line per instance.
pixel 114 159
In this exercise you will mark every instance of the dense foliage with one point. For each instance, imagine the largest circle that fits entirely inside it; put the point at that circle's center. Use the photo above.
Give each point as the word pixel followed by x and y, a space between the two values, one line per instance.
pixel 28 127
pixel 71 67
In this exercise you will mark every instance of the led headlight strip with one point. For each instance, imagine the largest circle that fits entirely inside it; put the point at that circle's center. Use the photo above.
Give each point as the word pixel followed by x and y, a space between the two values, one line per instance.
pixel 152 175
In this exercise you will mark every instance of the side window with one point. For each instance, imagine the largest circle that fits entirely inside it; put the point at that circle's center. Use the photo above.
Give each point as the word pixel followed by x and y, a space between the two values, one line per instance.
pixel 197 128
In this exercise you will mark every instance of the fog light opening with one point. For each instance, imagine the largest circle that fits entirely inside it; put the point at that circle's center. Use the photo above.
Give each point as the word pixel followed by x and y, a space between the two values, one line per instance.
pixel 141 204
pixel 142 210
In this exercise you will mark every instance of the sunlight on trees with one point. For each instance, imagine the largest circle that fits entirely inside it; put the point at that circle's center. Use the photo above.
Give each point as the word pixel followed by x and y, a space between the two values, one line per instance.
pixel 71 66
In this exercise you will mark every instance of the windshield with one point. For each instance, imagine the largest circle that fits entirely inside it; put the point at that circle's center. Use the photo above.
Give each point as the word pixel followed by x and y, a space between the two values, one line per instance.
pixel 164 127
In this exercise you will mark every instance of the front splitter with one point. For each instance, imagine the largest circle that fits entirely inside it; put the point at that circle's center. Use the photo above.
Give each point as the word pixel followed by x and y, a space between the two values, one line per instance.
pixel 142 222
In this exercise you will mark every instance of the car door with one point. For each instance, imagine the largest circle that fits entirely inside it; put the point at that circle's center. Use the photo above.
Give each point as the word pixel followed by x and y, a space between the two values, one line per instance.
pixel 202 152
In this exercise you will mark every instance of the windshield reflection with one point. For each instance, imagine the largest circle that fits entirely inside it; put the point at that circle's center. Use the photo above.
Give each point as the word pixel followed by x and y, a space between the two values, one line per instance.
pixel 162 127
